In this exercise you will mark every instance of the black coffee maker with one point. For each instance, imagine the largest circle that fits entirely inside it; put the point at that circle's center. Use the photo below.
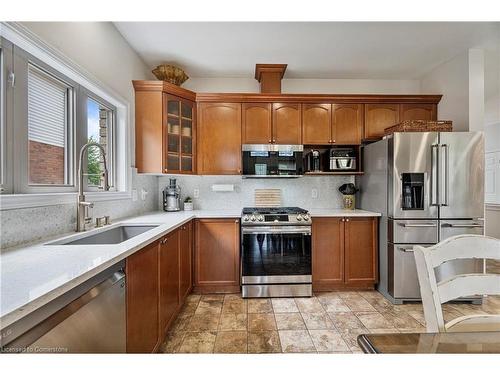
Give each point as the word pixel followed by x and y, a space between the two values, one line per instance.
pixel 313 161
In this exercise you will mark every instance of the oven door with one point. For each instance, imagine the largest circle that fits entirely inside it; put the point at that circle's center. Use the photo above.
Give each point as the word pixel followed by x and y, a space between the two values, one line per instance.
pixel 276 254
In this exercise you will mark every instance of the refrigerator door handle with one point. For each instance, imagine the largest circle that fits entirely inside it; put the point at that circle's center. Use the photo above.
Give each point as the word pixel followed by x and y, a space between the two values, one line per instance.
pixel 406 249
pixel 445 174
pixel 463 225
pixel 434 185
pixel 423 225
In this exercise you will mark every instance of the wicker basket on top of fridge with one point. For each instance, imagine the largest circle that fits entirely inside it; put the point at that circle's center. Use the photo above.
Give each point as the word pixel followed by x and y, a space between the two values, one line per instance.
pixel 420 126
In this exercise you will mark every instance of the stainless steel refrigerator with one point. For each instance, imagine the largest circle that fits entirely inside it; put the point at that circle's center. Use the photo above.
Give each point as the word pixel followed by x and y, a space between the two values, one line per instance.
pixel 428 187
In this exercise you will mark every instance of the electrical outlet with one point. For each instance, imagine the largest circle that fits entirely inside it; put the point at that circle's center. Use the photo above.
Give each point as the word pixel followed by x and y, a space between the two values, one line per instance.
pixel 144 194
pixel 196 193
pixel 134 195
pixel 314 193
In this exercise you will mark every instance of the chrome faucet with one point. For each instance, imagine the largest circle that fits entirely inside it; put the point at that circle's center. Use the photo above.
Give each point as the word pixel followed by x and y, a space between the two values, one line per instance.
pixel 82 207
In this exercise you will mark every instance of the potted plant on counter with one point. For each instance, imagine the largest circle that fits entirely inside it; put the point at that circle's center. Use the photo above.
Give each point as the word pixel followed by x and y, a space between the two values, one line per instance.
pixel 188 204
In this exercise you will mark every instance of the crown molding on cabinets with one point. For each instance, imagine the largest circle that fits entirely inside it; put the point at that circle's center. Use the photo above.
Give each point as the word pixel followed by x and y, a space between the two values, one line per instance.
pixel 141 85
pixel 316 98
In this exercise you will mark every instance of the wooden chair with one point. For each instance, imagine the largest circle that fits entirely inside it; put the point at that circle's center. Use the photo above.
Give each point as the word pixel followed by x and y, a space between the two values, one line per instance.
pixel 464 285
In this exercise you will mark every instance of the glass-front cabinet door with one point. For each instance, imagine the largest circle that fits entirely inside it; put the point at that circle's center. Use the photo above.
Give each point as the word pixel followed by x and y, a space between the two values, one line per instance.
pixel 187 113
pixel 179 135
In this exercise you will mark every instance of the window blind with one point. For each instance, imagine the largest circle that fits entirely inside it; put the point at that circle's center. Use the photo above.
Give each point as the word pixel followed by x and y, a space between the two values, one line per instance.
pixel 47 108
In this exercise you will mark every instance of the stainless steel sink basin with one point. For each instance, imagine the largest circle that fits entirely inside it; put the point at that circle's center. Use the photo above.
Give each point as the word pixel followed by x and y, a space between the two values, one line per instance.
pixel 111 236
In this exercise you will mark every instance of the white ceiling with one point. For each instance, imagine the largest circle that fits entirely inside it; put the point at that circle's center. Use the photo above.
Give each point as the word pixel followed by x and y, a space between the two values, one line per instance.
pixel 379 50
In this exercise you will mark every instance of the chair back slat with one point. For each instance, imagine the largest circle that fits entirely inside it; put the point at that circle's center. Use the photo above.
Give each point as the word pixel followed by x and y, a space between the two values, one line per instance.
pixel 468 285
pixel 453 248
pixel 470 246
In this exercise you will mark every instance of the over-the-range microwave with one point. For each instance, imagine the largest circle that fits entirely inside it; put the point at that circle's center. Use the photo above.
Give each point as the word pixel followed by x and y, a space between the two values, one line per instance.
pixel 270 160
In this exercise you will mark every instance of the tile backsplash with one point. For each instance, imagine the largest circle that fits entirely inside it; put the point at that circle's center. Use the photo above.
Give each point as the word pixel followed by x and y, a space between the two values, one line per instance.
pixel 294 191
pixel 18 226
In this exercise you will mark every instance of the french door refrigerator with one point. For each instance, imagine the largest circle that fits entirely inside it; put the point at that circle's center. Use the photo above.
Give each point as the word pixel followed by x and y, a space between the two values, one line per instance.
pixel 428 186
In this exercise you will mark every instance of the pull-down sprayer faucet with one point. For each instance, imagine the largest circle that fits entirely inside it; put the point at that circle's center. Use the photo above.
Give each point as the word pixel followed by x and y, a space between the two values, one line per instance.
pixel 83 206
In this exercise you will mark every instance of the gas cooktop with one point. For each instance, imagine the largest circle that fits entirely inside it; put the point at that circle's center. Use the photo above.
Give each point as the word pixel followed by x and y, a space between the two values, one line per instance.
pixel 275 216
pixel 274 210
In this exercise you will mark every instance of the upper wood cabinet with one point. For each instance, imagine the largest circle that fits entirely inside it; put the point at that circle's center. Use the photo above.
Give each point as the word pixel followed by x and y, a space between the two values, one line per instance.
pixel 185 260
pixel 278 123
pixel 328 251
pixel 256 123
pixel 169 280
pixel 219 138
pixel 179 134
pixel 347 124
pixel 287 123
pixel 142 300
pixel 317 124
pixel 419 111
pixel 165 128
pixel 378 117
pixel 360 250
pixel 217 255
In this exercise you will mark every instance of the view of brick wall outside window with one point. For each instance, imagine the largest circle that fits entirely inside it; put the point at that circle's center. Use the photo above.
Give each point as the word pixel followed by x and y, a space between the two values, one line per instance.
pixel 46 164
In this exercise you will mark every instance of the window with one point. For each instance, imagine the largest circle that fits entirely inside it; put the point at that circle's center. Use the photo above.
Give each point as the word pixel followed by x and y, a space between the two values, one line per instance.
pixel 46 119
pixel 49 129
pixel 100 125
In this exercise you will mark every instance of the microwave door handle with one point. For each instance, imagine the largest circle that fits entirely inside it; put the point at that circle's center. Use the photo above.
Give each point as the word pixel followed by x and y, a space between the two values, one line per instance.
pixel 434 184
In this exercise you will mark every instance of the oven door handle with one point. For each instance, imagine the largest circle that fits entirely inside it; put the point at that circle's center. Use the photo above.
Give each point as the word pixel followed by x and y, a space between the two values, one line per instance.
pixel 276 230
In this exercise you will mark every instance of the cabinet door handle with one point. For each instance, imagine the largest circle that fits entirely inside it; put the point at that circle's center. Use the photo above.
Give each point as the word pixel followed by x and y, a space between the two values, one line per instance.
pixel 164 241
pixel 346 219
pixel 236 221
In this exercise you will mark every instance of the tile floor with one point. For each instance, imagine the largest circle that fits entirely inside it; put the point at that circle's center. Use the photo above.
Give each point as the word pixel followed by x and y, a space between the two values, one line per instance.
pixel 325 323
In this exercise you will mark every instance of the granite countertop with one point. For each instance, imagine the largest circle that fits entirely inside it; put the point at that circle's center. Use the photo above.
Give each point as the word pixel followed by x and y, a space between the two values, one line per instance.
pixel 33 275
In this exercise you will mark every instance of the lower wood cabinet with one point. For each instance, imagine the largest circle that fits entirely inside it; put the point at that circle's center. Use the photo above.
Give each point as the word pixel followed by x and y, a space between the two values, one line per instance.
pixel 186 260
pixel 344 252
pixel 168 274
pixel 328 251
pixel 159 278
pixel 217 255
pixel 142 300
pixel 360 251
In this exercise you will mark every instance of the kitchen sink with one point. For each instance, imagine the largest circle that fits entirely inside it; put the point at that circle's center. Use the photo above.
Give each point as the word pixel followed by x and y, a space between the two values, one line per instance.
pixel 110 236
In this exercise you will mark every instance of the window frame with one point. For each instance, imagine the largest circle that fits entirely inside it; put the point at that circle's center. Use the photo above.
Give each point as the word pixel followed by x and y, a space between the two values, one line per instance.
pixel 6 67
pixel 15 35
pixel 22 63
pixel 81 136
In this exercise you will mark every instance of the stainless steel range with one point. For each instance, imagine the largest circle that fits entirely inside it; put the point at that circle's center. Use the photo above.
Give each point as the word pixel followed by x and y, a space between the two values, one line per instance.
pixel 276 252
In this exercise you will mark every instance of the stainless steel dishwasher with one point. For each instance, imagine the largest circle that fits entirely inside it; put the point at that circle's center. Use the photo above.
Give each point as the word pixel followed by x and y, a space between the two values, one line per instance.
pixel 89 318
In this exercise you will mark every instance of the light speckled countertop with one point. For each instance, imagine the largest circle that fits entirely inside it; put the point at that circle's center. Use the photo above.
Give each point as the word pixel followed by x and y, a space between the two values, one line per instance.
pixel 33 275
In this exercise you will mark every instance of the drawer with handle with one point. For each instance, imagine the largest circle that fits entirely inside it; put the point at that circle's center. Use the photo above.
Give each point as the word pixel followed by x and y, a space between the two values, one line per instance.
pixel 413 231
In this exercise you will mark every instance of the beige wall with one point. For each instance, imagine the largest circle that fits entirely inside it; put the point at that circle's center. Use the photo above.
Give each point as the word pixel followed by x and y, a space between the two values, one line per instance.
pixel 313 86
pixel 451 79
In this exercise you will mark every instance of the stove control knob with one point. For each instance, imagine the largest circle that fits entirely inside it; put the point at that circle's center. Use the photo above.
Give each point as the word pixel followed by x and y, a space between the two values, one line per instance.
pixel 299 217
pixel 306 217
pixel 252 218
pixel 260 218
pixel 246 218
